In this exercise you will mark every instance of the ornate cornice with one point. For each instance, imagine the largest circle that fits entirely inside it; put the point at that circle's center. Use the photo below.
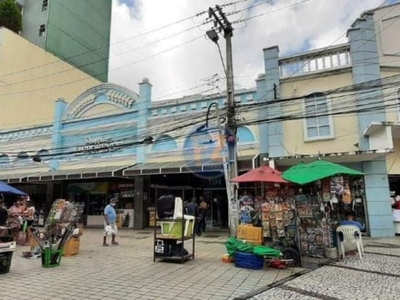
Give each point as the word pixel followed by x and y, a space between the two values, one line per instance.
pixel 116 95
pixel 24 133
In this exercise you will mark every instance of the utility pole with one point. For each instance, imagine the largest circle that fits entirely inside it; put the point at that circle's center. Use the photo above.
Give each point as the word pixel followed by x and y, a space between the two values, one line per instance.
pixel 223 25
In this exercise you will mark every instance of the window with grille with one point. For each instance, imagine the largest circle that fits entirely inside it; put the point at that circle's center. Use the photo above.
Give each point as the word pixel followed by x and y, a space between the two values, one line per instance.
pixel 42 30
pixel 45 4
pixel 318 121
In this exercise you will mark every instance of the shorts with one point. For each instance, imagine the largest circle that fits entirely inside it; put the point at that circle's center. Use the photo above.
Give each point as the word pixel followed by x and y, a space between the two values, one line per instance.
pixel 113 226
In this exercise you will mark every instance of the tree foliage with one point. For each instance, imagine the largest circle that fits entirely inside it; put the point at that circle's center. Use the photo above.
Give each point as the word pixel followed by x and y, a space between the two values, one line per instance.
pixel 10 15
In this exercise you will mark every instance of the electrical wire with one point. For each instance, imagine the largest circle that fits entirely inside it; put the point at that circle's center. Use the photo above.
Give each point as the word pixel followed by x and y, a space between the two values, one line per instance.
pixel 318 54
pixel 115 69
pixel 105 47
pixel 286 101
pixel 340 90
pixel 374 106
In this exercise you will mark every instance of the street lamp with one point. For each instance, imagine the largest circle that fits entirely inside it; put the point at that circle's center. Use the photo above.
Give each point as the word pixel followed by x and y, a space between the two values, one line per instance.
pixel 213 35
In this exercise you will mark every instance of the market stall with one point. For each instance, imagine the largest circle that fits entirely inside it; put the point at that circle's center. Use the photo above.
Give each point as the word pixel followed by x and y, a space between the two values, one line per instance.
pixel 328 191
pixel 61 225
pixel 7 245
pixel 271 218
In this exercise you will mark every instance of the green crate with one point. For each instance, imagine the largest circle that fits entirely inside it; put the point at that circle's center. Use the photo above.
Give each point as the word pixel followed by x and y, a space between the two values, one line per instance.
pixel 51 258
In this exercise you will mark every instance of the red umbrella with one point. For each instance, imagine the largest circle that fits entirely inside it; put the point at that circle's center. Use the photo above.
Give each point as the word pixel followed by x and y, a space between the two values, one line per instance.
pixel 261 174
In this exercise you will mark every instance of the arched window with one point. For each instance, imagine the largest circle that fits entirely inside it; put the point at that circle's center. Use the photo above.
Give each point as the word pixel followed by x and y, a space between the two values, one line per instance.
pixel 41 155
pixel 23 155
pixel 164 143
pixel 4 160
pixel 244 135
pixel 318 121
pixel 198 140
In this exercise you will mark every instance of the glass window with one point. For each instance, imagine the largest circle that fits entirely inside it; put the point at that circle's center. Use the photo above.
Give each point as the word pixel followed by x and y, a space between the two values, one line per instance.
pixel 42 30
pixel 317 122
pixel 45 4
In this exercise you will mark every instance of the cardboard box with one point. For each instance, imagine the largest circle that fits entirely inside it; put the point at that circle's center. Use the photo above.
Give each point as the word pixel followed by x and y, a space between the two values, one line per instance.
pixel 72 246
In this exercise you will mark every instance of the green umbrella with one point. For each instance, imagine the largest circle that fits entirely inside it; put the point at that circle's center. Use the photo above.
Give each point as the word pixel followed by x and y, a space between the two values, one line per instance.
pixel 305 173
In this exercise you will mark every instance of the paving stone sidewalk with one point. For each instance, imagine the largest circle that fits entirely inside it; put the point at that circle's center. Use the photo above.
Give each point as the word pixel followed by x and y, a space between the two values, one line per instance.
pixel 377 276
pixel 127 271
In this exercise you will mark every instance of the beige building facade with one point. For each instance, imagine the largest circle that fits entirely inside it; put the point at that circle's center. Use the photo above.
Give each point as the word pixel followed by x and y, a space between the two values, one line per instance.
pixel 31 79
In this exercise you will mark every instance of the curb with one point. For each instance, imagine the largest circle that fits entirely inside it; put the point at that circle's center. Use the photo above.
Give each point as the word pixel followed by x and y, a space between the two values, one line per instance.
pixel 283 281
pixel 272 285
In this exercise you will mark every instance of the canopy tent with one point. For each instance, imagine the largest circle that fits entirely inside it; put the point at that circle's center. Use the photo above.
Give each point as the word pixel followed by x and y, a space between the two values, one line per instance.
pixel 261 174
pixel 305 173
pixel 9 190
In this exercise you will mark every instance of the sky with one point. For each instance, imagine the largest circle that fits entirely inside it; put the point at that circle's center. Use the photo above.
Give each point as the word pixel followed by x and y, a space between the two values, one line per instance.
pixel 179 60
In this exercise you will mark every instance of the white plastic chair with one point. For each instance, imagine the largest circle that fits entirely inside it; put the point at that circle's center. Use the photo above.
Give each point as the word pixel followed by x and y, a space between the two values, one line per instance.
pixel 178 213
pixel 351 235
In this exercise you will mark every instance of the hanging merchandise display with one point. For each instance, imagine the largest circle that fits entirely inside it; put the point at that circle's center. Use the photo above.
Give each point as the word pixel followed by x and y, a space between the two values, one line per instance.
pixel 279 221
pixel 314 232
pixel 271 216
pixel 330 190
pixel 61 224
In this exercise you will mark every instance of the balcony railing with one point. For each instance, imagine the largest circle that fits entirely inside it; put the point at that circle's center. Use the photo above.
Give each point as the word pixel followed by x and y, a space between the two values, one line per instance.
pixel 315 61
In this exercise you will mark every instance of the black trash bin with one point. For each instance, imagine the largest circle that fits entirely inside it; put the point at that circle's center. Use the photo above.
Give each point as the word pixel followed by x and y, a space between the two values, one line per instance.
pixel 5 262
pixel 5 255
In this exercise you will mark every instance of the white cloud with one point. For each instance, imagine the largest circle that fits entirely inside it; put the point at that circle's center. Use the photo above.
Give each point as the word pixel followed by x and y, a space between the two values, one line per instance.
pixel 314 24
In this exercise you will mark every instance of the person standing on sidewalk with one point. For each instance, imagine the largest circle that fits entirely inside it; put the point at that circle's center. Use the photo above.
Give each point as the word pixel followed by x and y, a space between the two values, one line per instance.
pixel 192 209
pixel 3 218
pixel 110 217
pixel 203 209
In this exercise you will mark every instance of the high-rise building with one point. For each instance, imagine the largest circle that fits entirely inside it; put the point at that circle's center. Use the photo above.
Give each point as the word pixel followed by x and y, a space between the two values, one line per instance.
pixel 76 31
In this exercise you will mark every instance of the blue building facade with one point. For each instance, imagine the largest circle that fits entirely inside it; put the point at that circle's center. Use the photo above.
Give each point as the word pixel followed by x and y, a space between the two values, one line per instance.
pixel 111 141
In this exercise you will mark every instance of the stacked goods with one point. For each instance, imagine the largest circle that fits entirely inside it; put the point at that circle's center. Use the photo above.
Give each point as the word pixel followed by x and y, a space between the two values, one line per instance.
pixel 59 228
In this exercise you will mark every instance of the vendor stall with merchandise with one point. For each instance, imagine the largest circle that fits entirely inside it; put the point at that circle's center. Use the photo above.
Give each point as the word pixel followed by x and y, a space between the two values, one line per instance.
pixel 271 218
pixel 328 191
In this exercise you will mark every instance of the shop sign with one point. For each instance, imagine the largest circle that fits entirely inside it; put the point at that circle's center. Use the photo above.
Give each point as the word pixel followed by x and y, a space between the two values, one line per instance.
pixel 99 145
pixel 127 194
pixel 126 185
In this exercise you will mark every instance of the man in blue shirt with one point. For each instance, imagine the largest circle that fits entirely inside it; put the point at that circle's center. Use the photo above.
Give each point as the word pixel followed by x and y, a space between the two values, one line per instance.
pixel 350 221
pixel 110 217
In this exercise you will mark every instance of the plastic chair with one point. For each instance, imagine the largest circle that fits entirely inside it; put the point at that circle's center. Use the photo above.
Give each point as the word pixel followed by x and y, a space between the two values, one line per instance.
pixel 178 212
pixel 351 235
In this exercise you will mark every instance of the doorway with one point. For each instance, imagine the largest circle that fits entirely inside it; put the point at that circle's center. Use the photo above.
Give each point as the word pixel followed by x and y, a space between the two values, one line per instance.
pixel 217 214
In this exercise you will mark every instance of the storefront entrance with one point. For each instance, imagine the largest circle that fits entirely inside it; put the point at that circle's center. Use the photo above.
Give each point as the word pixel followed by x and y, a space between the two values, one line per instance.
pixel 217 215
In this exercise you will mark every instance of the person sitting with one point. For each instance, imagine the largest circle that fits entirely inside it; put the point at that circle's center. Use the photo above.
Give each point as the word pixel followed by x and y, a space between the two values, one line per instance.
pixel 350 221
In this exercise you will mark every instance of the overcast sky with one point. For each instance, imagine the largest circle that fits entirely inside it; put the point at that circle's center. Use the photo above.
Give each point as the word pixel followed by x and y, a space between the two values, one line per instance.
pixel 182 63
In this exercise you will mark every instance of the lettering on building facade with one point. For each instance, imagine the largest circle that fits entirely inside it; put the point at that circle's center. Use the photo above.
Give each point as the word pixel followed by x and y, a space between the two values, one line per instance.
pixel 99 145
